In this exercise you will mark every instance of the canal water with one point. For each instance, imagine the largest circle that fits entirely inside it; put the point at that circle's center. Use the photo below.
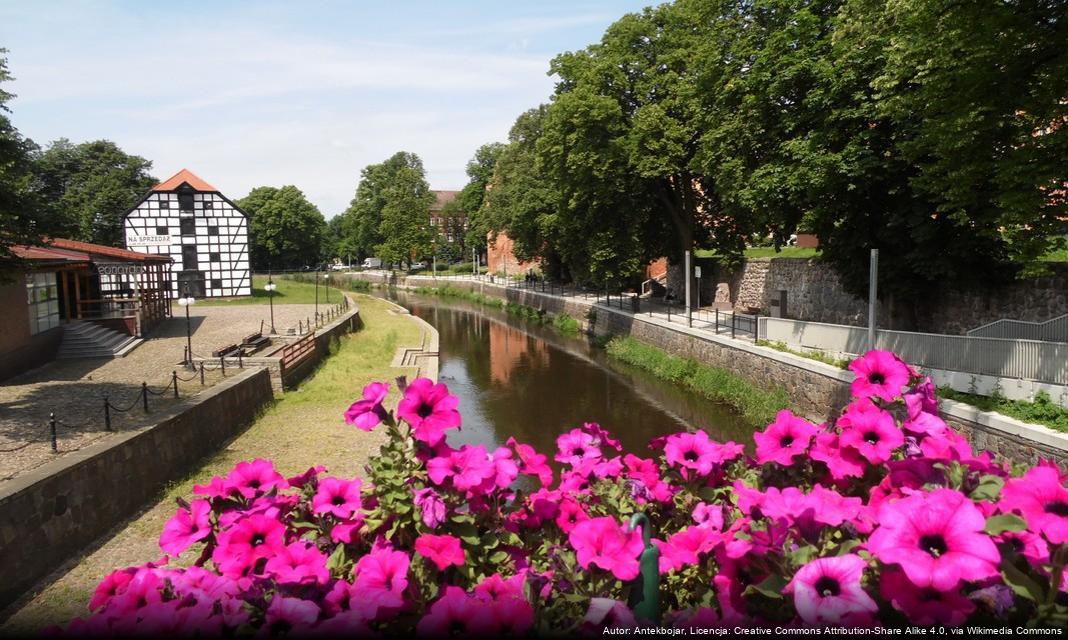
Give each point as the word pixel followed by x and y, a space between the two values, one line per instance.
pixel 518 378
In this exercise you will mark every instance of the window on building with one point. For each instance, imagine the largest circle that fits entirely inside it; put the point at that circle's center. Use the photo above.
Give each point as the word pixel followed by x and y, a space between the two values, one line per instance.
pixel 43 301
pixel 162 231
pixel 164 204
pixel 189 226
pixel 216 283
pixel 208 204
pixel 185 202
pixel 215 257
pixel 213 230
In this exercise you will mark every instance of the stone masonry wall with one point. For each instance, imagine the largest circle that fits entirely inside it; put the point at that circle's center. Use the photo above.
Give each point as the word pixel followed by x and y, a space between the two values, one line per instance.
pixel 52 513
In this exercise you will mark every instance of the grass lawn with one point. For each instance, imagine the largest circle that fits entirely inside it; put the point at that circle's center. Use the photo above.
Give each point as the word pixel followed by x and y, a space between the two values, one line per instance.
pixel 304 428
pixel 766 252
pixel 1060 255
pixel 288 292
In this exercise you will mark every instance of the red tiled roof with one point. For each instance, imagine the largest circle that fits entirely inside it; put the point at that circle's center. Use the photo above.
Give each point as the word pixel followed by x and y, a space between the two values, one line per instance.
pixel 110 252
pixel 187 176
pixel 49 254
pixel 443 198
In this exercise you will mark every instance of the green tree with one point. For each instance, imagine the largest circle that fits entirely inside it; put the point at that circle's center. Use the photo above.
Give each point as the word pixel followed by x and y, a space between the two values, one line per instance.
pixel 89 187
pixel 468 204
pixel 285 229
pixel 405 228
pixel 331 242
pixel 21 218
pixel 363 219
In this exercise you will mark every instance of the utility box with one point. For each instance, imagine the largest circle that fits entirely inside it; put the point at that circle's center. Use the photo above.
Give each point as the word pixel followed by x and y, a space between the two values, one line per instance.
pixel 778 304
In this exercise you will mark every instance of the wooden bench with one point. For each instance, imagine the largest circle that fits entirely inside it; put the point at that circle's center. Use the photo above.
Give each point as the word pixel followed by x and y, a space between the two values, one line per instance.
pixel 255 341
pixel 224 351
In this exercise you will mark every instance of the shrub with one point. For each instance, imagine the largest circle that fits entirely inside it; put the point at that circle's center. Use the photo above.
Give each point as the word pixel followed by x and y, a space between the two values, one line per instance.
pixel 885 516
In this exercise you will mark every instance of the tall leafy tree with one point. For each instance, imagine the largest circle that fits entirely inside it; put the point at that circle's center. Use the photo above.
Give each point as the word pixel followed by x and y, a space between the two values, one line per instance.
pixel 89 187
pixel 363 219
pixel 405 227
pixel 285 229
pixel 20 216
pixel 468 203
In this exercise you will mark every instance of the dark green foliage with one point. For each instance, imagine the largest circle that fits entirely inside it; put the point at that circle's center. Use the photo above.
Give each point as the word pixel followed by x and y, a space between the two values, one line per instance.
pixel 362 230
pixel 285 229
pixel 1042 411
pixel 20 216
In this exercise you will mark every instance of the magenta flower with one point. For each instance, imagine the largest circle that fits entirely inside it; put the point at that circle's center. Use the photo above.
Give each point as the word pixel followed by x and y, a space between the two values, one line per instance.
pixel 112 585
pixel 880 374
pixel 430 410
pixel 505 469
pixel 298 562
pixel 381 579
pixel 577 446
pixel 368 413
pixel 686 547
pixel 842 462
pixel 606 613
pixel 569 514
pixel 869 430
pixel 603 542
pixel 248 540
pixel 337 497
pixel 467 468
pixel 444 551
pixel 256 478
pixel 603 437
pixel 828 591
pixel 710 515
pixel 186 527
pixel 290 615
pixel 431 507
pixel 925 605
pixel 1042 500
pixel 509 612
pixel 697 453
pixel 532 462
pixel 937 538
pixel 832 508
pixel 784 439
pixel 452 613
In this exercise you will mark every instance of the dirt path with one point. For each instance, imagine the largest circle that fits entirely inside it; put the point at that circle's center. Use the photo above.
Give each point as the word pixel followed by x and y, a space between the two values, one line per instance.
pixel 301 430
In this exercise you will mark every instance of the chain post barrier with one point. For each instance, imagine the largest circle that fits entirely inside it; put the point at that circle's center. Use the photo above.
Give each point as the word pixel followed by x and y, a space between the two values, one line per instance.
pixel 174 379
pixel 144 396
pixel 107 413
pixel 52 428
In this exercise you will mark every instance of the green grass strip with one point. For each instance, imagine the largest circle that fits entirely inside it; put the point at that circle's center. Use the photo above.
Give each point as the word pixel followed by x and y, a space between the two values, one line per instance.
pixel 758 406
pixel 1041 411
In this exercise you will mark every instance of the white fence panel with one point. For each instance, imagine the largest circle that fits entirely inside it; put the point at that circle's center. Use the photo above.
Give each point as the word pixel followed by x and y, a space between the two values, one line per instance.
pixel 1024 359
pixel 1053 330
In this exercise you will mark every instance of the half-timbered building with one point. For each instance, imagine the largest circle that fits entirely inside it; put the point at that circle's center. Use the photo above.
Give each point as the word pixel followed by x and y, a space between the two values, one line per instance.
pixel 205 233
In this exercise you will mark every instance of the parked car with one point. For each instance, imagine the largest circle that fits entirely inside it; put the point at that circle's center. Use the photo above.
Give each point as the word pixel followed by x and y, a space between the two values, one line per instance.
pixel 372 263
pixel 339 267
pixel 418 265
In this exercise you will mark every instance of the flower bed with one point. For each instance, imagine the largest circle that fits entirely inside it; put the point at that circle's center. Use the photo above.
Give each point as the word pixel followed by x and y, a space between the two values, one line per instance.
pixel 884 517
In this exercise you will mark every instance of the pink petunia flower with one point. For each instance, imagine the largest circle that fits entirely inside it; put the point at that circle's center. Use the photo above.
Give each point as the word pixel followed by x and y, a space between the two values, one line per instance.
pixel 381 579
pixel 431 507
pixel 368 413
pixel 828 591
pixel 842 462
pixel 1041 498
pixel 466 468
pixel 937 538
pixel 697 453
pixel 606 613
pixel 569 514
pixel 507 609
pixel 337 497
pixel 430 410
pixel 253 479
pixel 603 542
pixel 870 431
pixel 577 446
pixel 112 585
pixel 925 605
pixel 298 562
pixel 686 547
pixel 532 463
pixel 452 613
pixel 784 439
pixel 880 374
pixel 444 551
pixel 602 435
pixel 289 615
pixel 248 540
pixel 186 527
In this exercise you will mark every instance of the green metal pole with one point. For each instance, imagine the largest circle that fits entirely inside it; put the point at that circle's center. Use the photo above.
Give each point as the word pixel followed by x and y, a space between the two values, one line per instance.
pixel 644 598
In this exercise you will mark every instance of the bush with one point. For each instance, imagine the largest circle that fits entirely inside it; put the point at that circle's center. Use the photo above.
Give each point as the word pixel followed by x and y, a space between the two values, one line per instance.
pixel 885 516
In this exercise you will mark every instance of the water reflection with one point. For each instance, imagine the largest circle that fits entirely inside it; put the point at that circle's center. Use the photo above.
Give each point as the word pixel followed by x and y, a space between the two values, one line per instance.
pixel 515 378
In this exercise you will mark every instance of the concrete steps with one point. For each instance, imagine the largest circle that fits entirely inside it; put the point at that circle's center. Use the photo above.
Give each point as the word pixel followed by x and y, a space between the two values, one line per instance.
pixel 88 340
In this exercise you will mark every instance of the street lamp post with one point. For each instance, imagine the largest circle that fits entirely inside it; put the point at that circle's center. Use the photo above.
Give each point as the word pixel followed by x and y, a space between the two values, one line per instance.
pixel 326 285
pixel 317 294
pixel 187 301
pixel 270 287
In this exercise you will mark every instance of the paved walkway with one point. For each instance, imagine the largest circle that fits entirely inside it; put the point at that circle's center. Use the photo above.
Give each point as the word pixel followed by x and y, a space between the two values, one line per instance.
pixel 74 389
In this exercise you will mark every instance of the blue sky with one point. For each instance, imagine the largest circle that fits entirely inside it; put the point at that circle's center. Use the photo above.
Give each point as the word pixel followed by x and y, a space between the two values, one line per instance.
pixel 307 93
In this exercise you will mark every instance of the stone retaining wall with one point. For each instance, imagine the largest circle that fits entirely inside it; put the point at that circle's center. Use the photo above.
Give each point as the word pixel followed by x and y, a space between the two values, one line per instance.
pixel 55 511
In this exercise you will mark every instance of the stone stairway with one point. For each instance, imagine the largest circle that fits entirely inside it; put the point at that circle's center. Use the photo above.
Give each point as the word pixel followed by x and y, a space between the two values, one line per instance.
pixel 89 340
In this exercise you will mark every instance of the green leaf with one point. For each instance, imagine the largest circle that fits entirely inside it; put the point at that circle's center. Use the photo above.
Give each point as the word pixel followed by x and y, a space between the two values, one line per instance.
pixel 989 488
pixel 1006 522
pixel 847 546
pixel 337 560
pixel 1021 583
pixel 770 587
pixel 499 557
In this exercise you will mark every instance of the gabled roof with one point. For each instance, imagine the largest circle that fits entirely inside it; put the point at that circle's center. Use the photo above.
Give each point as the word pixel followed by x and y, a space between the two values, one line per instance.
pixel 99 250
pixel 442 198
pixel 184 176
pixel 48 256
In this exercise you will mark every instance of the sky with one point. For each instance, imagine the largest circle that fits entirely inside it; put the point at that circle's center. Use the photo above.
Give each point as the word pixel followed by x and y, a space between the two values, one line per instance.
pixel 247 94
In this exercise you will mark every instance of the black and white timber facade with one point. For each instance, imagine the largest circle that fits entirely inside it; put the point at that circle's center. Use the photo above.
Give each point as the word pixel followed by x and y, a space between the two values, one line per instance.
pixel 202 230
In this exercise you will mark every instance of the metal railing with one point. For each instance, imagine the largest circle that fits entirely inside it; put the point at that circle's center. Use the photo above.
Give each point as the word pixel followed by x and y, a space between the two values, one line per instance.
pixel 1023 359
pixel 1053 330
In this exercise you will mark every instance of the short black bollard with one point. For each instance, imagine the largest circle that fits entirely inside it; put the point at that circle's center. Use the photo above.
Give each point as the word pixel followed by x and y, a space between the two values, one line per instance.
pixel 52 427
pixel 300 327
pixel 717 322
pixel 222 364
pixel 240 360
pixel 174 379
pixel 733 323
pixel 107 414
pixel 201 374
pixel 144 396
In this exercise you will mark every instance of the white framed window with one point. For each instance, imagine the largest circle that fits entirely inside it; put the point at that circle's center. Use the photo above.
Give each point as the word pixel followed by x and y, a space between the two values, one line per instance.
pixel 42 301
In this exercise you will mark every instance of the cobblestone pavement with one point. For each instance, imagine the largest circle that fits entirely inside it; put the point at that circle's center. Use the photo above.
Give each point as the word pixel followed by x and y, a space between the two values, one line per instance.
pixel 74 389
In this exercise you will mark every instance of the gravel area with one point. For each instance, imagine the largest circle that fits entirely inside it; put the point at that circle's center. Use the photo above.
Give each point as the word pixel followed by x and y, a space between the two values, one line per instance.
pixel 74 389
